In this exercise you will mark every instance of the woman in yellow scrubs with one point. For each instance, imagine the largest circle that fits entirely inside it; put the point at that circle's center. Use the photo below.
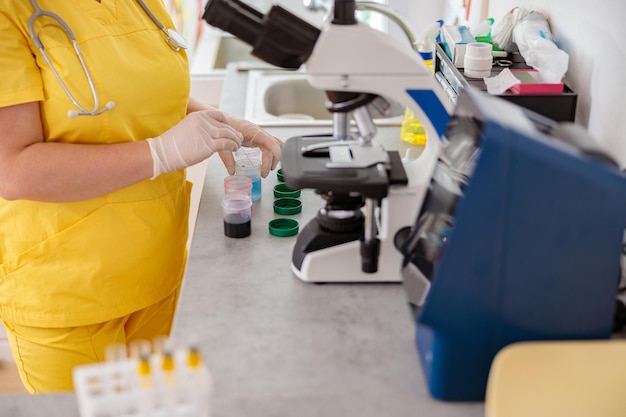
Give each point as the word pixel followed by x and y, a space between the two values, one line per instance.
pixel 93 217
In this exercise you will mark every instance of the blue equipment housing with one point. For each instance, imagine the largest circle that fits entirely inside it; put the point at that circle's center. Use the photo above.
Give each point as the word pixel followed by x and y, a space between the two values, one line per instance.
pixel 532 253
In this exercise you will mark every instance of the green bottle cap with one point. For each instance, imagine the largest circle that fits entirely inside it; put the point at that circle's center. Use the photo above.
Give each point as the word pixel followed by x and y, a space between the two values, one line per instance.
pixel 282 227
pixel 287 206
pixel 281 191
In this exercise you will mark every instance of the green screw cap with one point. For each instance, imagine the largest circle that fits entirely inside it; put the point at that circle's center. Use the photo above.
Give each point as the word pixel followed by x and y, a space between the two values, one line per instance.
pixel 282 191
pixel 283 227
pixel 287 206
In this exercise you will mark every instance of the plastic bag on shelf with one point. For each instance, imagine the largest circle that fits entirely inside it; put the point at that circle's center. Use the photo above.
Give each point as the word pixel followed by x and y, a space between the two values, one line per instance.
pixel 502 31
pixel 539 48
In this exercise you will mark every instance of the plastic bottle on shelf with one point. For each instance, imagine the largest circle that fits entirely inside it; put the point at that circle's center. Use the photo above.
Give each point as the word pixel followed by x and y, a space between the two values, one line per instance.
pixel 482 33
pixel 412 130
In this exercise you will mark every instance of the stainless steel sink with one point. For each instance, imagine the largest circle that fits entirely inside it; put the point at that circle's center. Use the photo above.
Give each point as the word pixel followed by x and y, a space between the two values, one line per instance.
pixel 285 98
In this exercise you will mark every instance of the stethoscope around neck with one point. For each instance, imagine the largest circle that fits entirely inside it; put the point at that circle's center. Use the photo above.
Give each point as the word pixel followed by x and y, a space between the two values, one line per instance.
pixel 174 40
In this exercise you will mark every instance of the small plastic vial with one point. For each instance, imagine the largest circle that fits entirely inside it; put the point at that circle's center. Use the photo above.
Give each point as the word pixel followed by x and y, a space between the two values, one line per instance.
pixel 238 184
pixel 248 163
pixel 237 213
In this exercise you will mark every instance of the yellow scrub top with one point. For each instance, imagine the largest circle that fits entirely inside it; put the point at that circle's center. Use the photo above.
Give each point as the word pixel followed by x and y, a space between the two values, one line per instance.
pixel 72 264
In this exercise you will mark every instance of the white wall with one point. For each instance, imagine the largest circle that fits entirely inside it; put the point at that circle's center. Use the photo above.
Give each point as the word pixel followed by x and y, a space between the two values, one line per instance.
pixel 294 6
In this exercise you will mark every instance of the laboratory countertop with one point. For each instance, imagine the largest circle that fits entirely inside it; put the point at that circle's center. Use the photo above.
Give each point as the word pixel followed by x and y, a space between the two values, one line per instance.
pixel 275 345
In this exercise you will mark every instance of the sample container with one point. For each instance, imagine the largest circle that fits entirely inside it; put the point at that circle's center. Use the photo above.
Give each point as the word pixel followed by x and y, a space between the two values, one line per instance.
pixel 238 184
pixel 248 163
pixel 237 211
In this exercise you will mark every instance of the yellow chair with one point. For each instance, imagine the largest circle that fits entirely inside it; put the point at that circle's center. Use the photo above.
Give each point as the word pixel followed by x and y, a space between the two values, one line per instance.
pixel 558 379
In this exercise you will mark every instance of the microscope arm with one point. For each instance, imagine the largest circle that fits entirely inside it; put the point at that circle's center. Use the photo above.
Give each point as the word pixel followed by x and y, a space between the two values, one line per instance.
pixel 388 69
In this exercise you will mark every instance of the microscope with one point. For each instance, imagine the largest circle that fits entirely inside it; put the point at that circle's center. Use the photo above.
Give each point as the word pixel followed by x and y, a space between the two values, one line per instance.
pixel 371 195
pixel 508 227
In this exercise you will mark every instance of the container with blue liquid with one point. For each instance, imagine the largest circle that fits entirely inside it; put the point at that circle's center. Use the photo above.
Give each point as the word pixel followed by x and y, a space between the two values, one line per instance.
pixel 248 163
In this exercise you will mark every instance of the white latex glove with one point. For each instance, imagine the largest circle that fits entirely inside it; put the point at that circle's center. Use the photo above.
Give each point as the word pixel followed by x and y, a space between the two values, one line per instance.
pixel 199 135
pixel 254 136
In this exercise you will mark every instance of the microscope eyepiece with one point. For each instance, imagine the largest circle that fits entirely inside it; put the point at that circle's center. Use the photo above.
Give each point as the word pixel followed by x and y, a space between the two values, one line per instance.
pixel 235 17
pixel 278 37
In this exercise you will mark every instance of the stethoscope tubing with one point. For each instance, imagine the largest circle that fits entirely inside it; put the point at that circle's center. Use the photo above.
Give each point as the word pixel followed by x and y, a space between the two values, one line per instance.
pixel 174 40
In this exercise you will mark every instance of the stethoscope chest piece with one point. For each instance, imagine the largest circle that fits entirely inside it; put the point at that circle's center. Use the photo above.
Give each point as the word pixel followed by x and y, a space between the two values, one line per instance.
pixel 175 40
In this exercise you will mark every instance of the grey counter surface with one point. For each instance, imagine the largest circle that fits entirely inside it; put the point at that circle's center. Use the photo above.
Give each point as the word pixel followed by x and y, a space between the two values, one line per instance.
pixel 277 346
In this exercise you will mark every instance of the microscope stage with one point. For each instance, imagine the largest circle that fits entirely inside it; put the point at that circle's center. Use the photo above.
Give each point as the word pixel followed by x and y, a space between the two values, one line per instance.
pixel 315 169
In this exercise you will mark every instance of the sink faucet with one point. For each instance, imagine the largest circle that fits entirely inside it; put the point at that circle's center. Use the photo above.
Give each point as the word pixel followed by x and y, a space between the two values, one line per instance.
pixel 327 5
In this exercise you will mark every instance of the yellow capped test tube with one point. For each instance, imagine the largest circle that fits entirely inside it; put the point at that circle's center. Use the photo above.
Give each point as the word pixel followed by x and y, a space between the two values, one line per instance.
pixel 144 368
pixel 194 359
pixel 167 363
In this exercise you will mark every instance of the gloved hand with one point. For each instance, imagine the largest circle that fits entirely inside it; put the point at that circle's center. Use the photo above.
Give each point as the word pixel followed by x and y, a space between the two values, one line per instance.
pixel 199 135
pixel 254 136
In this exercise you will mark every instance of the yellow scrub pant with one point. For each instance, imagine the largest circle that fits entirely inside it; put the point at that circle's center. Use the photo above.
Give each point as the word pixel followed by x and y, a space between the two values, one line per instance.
pixel 45 357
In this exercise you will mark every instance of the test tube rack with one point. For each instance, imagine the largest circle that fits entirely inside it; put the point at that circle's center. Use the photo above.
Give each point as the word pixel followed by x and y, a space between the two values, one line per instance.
pixel 158 385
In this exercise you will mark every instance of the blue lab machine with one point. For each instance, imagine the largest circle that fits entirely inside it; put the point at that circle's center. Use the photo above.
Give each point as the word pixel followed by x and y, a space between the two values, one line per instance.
pixel 519 236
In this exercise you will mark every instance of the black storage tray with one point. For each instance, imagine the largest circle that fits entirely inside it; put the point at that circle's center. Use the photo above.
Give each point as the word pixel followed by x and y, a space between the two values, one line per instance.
pixel 558 107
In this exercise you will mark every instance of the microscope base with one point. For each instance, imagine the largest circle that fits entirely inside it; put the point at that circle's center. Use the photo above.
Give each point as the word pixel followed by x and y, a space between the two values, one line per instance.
pixel 320 256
